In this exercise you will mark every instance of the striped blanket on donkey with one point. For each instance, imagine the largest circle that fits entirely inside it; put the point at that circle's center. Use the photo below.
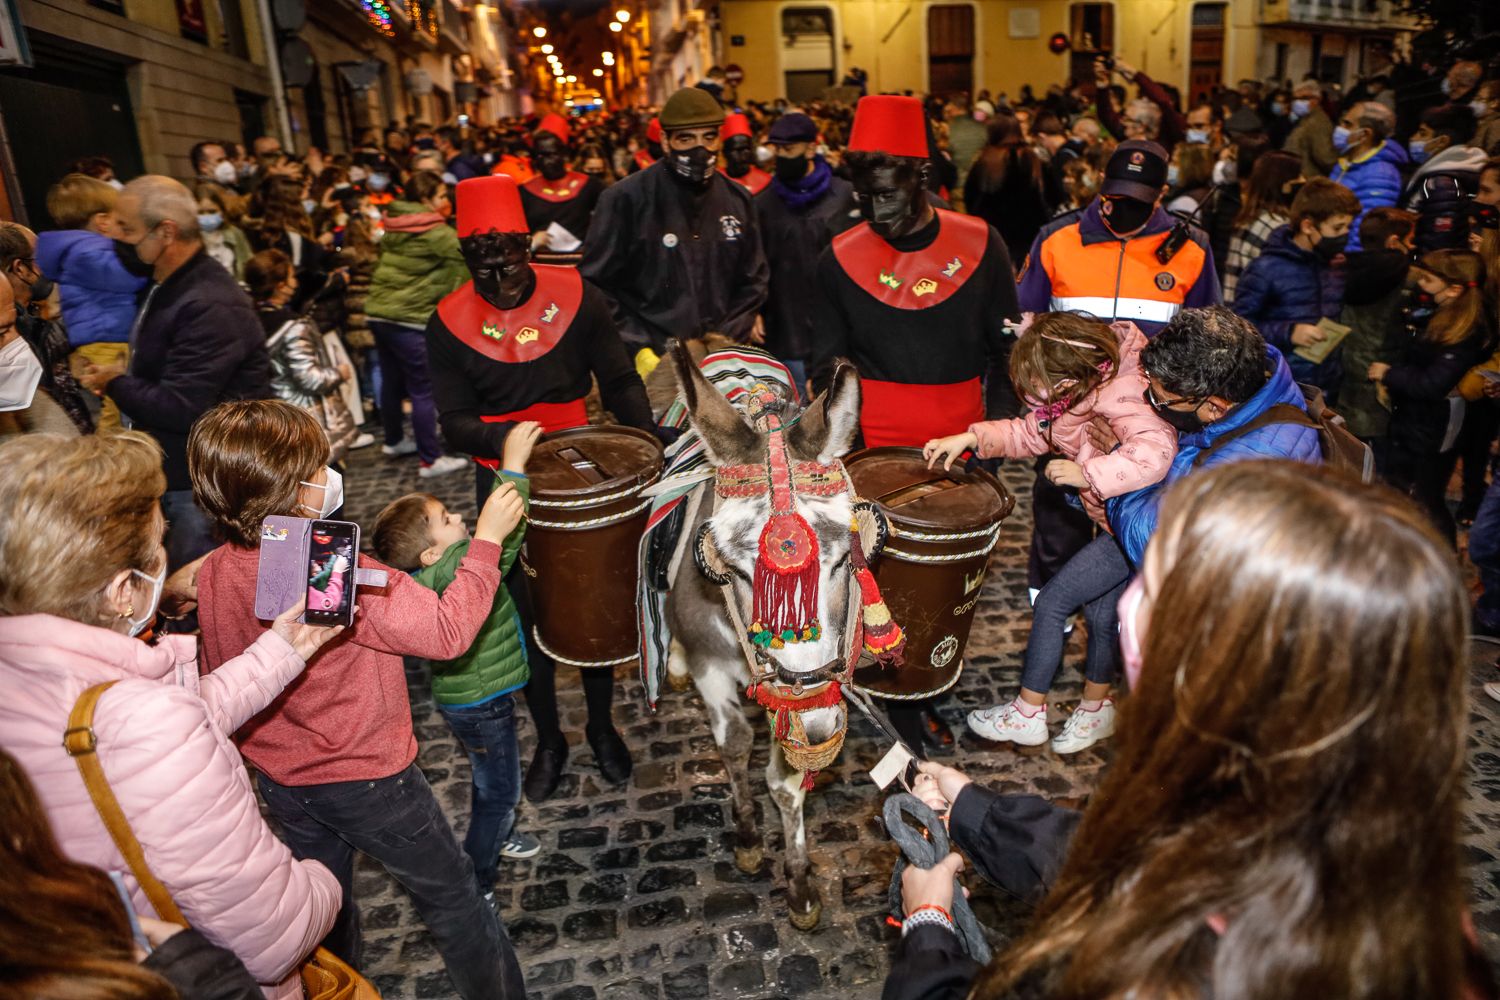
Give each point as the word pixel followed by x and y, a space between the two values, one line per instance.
pixel 687 480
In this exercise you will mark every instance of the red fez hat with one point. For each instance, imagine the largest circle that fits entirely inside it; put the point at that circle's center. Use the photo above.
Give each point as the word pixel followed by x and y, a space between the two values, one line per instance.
pixel 557 125
pixel 736 124
pixel 653 131
pixel 886 123
pixel 490 203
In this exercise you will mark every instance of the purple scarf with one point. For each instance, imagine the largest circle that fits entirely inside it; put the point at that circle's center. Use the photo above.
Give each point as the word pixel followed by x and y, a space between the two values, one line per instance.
pixel 809 189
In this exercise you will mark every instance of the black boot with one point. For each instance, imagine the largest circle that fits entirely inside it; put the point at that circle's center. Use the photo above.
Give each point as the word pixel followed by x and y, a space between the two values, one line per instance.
pixel 611 754
pixel 545 772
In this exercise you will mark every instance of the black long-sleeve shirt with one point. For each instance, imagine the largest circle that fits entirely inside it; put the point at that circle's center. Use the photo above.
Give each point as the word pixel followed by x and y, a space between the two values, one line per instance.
pixel 467 384
pixel 675 260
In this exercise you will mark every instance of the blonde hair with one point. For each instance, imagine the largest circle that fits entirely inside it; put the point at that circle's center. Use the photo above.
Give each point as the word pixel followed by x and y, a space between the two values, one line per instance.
pixel 1062 345
pixel 1455 321
pixel 74 512
pixel 77 198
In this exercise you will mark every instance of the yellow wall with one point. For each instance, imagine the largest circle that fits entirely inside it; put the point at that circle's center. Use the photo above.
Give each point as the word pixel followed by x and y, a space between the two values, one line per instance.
pixel 1151 34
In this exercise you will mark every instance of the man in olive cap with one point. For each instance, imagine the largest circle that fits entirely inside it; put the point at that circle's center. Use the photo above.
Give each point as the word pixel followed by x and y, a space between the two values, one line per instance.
pixel 675 246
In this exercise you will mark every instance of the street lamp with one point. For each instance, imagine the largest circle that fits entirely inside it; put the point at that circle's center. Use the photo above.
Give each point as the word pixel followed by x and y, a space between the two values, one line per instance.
pixel 571 78
pixel 539 31
pixel 622 15
pixel 598 72
pixel 547 49
pixel 615 26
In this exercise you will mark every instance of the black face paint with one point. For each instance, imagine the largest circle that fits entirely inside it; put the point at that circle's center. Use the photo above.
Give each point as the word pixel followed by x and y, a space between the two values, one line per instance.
pixel 739 155
pixel 791 169
pixel 130 259
pixel 501 266
pixel 695 165
pixel 891 199
pixel 1125 216
pixel 550 157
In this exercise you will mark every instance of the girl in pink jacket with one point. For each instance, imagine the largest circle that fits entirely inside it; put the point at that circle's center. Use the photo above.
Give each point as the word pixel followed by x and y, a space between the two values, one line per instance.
pixel 1073 370
pixel 80 540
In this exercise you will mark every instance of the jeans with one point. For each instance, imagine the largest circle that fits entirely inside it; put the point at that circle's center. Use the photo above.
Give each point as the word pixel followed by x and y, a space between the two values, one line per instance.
pixel 189 533
pixel 403 375
pixel 1093 579
pixel 1484 553
pixel 1059 530
pixel 397 822
pixel 488 734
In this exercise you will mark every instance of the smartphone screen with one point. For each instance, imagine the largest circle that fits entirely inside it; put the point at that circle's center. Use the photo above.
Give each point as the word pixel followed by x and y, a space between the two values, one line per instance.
pixel 330 572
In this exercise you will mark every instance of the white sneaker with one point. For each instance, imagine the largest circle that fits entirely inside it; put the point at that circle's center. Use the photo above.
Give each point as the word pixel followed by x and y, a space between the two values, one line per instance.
pixel 363 441
pixel 1005 724
pixel 406 446
pixel 443 466
pixel 1084 728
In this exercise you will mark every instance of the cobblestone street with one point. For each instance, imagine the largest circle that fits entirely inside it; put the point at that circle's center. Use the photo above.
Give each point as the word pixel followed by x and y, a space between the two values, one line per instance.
pixel 635 893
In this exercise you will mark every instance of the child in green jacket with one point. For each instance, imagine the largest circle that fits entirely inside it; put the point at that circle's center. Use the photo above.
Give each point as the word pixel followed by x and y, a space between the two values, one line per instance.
pixel 475 692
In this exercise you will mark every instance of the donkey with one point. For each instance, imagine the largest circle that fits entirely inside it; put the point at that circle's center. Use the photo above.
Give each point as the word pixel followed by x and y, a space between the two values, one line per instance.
pixel 704 646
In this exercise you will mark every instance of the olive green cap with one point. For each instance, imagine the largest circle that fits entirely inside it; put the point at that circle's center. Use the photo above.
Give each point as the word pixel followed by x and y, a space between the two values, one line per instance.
pixel 691 107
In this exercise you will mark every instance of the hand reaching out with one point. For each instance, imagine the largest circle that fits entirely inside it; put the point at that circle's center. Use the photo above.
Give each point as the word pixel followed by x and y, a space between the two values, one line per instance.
pixel 518 444
pixel 948 448
pixel 500 515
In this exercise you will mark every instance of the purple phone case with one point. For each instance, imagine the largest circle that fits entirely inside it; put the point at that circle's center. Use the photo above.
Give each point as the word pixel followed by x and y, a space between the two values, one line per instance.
pixel 281 580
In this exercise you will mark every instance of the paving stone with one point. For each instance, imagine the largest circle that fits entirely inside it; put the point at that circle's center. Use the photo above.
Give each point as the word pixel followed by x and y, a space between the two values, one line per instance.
pixel 639 883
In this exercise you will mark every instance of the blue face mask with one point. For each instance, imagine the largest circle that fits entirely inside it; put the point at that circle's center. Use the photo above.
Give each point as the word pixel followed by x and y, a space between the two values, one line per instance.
pixel 1278 108
pixel 1173 175
pixel 309 206
pixel 1198 136
pixel 1301 108
pixel 1418 150
pixel 379 182
pixel 210 221
pixel 1341 139
pixel 1447 88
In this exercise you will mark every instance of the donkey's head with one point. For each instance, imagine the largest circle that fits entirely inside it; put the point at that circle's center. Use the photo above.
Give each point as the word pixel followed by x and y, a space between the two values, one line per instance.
pixel 809 484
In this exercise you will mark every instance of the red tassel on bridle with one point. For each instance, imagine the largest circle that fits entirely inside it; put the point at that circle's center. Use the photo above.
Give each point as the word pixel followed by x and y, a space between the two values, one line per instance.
pixel 882 636
pixel 785 595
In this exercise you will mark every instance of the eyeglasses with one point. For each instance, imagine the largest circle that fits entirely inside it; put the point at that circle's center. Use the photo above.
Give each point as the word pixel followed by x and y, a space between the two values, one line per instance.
pixel 1172 404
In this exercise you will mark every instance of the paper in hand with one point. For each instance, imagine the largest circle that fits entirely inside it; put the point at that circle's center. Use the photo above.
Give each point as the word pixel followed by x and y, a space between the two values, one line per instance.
pixel 559 239
pixel 1334 334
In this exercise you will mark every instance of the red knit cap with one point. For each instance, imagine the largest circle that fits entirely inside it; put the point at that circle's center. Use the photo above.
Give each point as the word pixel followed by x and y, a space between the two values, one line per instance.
pixel 557 125
pixel 736 124
pixel 490 203
pixel 653 131
pixel 885 123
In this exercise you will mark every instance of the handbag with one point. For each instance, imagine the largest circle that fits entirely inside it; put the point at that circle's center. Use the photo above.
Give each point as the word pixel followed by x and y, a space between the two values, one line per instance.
pixel 324 975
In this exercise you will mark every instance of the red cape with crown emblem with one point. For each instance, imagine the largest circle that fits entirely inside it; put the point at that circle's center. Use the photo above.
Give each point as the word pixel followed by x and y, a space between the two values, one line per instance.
pixel 565 188
pixel 524 333
pixel 919 279
pixel 756 181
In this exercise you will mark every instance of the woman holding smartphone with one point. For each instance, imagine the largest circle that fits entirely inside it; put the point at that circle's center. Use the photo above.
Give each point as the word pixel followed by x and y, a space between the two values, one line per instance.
pixel 84 568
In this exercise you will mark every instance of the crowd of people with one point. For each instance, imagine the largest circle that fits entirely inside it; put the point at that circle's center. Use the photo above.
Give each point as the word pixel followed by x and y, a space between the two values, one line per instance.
pixel 1177 310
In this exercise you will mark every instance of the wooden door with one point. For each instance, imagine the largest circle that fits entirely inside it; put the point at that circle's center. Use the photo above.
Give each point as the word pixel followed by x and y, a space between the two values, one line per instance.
pixel 1206 70
pixel 950 49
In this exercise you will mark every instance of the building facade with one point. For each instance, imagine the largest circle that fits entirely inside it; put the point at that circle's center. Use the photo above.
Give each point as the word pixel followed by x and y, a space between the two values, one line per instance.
pixel 796 48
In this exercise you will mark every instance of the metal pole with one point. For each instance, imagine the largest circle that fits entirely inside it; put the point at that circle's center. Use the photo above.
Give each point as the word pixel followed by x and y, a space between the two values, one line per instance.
pixel 273 63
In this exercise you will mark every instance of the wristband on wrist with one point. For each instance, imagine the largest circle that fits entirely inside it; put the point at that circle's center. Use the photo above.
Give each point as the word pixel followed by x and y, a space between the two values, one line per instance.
pixel 928 914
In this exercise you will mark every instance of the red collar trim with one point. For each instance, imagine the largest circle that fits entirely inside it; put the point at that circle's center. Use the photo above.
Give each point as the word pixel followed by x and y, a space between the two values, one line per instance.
pixel 756 181
pixel 565 189
pixel 920 279
pixel 525 333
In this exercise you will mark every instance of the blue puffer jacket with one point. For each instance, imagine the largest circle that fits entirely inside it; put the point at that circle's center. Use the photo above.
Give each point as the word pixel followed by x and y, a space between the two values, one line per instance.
pixel 98 294
pixel 1375 179
pixel 1133 516
pixel 1287 285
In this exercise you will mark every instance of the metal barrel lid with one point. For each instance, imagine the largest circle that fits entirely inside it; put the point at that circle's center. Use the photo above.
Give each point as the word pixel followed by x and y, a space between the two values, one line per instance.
pixel 594 461
pixel 898 480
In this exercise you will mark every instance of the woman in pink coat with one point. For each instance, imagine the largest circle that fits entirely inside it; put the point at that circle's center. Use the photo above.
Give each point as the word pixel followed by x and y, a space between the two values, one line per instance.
pixel 1073 370
pixel 80 542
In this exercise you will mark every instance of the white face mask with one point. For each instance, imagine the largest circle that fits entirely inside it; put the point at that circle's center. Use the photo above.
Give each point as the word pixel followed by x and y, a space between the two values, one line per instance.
pixel 138 625
pixel 20 371
pixel 333 493
pixel 225 172
pixel 116 184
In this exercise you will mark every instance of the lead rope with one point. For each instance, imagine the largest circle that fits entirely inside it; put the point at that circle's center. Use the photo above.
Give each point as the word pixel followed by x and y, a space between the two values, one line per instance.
pixel 924 852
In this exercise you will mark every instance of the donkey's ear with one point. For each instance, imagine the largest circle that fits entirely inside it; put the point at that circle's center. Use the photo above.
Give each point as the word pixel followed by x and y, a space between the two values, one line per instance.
pixel 729 440
pixel 828 425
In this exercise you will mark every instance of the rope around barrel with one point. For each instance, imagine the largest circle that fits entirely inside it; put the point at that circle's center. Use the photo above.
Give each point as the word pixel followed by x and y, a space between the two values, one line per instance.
pixel 924 852
pixel 594 522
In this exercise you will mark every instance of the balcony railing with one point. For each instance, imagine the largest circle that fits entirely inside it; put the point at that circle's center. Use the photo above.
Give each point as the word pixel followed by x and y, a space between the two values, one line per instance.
pixel 1368 14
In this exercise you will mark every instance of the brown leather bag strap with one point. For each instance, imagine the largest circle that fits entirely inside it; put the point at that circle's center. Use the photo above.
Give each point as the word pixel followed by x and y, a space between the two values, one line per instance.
pixel 80 743
pixel 1281 413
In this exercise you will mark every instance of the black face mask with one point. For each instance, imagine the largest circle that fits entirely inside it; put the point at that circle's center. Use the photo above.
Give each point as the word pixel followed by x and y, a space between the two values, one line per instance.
pixel 130 259
pixel 695 165
pixel 739 155
pixel 791 169
pixel 501 266
pixel 1329 247
pixel 1125 216
pixel 1184 422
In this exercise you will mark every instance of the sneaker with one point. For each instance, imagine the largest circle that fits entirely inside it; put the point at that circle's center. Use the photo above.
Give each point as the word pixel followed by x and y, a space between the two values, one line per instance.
pixel 443 466
pixel 406 446
pixel 1005 724
pixel 1084 728
pixel 363 441
pixel 519 846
